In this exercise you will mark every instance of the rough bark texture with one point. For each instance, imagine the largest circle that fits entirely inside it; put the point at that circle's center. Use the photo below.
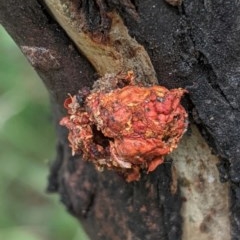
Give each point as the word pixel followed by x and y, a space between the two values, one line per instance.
pixel 194 45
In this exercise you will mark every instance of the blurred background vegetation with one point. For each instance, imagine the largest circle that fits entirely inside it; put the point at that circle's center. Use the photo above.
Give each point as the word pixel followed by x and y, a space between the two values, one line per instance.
pixel 27 144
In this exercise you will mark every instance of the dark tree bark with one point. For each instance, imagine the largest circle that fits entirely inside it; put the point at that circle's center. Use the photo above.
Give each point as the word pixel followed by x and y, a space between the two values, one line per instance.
pixel 194 45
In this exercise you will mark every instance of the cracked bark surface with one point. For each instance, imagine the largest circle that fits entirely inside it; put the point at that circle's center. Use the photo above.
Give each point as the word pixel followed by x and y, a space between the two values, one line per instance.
pixel 194 45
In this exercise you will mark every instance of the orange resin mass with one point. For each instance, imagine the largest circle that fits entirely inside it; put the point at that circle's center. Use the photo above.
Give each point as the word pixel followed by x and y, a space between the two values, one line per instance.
pixel 127 129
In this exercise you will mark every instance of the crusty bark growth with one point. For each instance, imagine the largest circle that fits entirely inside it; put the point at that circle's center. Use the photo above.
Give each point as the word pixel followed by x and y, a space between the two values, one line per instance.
pixel 194 46
pixel 126 129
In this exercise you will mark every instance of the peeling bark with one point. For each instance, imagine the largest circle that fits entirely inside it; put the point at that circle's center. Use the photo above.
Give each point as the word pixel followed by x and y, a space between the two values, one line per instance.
pixel 194 45
pixel 205 208
pixel 111 52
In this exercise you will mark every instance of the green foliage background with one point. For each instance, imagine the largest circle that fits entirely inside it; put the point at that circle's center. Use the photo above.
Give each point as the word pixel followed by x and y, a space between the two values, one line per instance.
pixel 27 144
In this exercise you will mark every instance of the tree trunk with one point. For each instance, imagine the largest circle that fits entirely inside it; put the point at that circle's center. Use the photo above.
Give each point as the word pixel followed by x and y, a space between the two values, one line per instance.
pixel 195 193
